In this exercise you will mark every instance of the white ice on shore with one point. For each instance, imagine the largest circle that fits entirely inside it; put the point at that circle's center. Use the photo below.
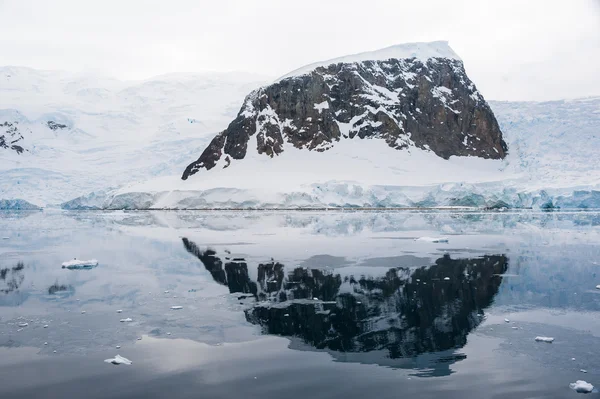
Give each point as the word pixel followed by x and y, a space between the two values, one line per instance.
pixel 432 239
pixel 581 386
pixel 117 360
pixel 80 264
pixel 544 339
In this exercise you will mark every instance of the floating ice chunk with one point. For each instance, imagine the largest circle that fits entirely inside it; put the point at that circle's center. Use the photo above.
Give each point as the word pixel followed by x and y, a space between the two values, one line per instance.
pixel 139 338
pixel 545 339
pixel 83 312
pixel 583 371
pixel 23 324
pixel 176 307
pixel 120 311
pixel 53 351
pixel 19 330
pixel 45 343
pixel 581 386
pixel 432 239
pixel 286 315
pixel 572 359
pixel 446 278
pixel 80 264
pixel 127 320
pixel 598 287
pixel 117 360
pixel 118 346
pixel 315 299
pixel 45 325
pixel 167 291
pixel 506 321
pixel 515 328
pixel 168 333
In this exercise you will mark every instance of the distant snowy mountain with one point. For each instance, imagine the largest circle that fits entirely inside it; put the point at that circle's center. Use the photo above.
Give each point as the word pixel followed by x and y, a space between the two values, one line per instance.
pixel 63 135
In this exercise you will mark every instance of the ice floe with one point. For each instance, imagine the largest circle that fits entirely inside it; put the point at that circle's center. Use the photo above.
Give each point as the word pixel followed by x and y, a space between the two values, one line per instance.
pixel 23 324
pixel 581 386
pixel 80 264
pixel 176 307
pixel 544 339
pixel 433 239
pixel 127 320
pixel 117 360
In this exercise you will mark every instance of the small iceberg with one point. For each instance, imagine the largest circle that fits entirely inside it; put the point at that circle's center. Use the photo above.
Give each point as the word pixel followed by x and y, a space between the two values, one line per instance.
pixel 545 339
pixel 446 278
pixel 598 287
pixel 435 240
pixel 117 360
pixel 127 320
pixel 506 321
pixel 580 386
pixel 76 264
pixel 23 324
pixel 176 307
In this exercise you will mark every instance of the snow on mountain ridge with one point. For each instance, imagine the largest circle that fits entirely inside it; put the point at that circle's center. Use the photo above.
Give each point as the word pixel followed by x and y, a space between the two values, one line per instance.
pixel 420 50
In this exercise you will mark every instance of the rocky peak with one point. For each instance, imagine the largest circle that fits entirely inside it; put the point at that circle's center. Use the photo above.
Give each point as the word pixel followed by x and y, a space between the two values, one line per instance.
pixel 411 96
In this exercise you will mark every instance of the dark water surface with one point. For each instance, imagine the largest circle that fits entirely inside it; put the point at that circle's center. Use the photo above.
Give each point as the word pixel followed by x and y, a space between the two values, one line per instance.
pixel 299 304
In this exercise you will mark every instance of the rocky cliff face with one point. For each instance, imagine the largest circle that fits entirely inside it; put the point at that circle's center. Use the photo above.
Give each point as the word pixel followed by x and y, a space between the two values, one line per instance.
pixel 410 101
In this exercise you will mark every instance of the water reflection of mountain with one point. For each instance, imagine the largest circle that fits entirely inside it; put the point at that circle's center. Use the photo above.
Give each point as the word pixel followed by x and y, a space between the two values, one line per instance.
pixel 400 314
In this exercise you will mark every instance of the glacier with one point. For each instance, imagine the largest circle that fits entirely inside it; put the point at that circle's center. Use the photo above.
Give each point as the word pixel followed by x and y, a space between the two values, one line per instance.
pixel 100 143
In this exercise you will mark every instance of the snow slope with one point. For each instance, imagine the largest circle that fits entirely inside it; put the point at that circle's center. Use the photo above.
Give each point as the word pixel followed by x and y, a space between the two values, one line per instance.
pixel 112 131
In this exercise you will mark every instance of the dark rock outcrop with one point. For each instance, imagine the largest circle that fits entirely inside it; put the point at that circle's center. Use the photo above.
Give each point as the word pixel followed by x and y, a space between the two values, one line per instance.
pixel 429 104
pixel 11 137
pixel 55 126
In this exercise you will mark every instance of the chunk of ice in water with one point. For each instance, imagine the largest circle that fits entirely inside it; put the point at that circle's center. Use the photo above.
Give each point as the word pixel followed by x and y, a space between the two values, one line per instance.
pixel 45 343
pixel 176 307
pixel 506 321
pixel 117 360
pixel 581 386
pixel 167 291
pixel 83 312
pixel 127 320
pixel 446 278
pixel 80 264
pixel 120 311
pixel 23 324
pixel 118 346
pixel 168 333
pixel 598 287
pixel 435 240
pixel 544 339
pixel 45 325
pixel 515 328
pixel 583 371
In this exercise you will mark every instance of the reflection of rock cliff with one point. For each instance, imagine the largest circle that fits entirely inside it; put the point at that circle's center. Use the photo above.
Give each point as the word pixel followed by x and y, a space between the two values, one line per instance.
pixel 405 312
pixel 11 278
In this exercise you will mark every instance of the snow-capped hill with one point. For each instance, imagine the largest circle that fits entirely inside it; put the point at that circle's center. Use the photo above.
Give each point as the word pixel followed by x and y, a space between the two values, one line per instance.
pixel 79 132
pixel 409 96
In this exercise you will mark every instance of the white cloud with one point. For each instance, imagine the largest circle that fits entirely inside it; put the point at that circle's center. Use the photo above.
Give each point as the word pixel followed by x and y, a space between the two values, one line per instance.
pixel 512 49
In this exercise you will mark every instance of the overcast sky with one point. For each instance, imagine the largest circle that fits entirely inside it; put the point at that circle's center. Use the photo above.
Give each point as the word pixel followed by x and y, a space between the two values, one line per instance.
pixel 513 50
